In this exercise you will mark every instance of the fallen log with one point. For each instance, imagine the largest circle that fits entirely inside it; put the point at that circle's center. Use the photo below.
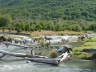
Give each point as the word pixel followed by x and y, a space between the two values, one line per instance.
pixel 7 44
pixel 37 58
pixel 2 55
pixel 21 54
pixel 53 61
pixel 63 56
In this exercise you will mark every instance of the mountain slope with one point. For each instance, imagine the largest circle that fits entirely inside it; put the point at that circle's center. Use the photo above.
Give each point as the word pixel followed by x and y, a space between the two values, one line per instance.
pixel 49 9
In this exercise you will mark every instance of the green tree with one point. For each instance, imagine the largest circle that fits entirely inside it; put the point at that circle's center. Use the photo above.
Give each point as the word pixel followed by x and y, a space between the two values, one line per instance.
pixel 27 27
pixel 38 27
pixel 3 21
pixel 93 27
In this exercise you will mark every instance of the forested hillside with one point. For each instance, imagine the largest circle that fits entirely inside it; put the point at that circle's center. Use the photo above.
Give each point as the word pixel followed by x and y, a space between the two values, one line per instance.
pixel 57 15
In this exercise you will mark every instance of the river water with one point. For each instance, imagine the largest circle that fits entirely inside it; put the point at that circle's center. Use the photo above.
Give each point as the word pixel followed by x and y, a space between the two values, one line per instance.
pixel 15 64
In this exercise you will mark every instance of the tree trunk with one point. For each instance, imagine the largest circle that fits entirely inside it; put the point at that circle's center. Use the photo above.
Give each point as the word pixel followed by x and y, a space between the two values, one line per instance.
pixel 53 61
pixel 21 54
pixel 7 44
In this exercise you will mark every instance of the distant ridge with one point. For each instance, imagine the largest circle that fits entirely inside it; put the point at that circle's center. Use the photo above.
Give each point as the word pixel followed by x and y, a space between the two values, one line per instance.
pixel 50 9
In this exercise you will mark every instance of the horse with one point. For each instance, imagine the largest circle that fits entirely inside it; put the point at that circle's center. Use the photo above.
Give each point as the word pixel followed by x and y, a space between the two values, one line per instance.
pixel 3 39
pixel 46 38
pixel 18 40
pixel 28 40
pixel 88 36
pixel 55 41
pixel 82 37
pixel 65 38
pixel 38 39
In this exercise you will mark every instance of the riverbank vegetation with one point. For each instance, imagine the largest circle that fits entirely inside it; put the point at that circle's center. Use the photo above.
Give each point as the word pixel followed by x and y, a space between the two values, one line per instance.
pixel 85 51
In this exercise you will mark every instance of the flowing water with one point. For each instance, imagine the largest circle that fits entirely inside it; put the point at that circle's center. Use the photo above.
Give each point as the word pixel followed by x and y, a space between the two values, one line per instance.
pixel 15 64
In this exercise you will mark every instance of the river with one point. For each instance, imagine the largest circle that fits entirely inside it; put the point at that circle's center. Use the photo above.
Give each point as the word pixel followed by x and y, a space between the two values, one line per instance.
pixel 14 64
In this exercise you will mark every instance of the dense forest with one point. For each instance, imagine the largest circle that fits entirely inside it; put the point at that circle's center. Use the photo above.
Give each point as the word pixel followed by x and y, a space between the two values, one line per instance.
pixel 55 15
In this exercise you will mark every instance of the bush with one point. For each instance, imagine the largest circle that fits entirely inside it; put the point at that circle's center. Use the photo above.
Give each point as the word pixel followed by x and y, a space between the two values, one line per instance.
pixel 42 43
pixel 34 35
pixel 47 43
pixel 18 30
pixel 53 54
pixel 61 34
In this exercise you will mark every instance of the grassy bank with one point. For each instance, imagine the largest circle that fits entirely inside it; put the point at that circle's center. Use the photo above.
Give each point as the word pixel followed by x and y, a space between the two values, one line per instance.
pixel 44 32
pixel 82 52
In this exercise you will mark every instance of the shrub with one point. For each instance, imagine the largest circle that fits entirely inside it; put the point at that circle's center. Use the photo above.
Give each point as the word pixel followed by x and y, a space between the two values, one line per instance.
pixel 34 35
pixel 61 34
pixel 42 43
pixel 47 43
pixel 53 54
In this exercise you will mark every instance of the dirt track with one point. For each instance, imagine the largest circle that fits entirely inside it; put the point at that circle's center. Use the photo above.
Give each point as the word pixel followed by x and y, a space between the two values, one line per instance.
pixel 46 32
